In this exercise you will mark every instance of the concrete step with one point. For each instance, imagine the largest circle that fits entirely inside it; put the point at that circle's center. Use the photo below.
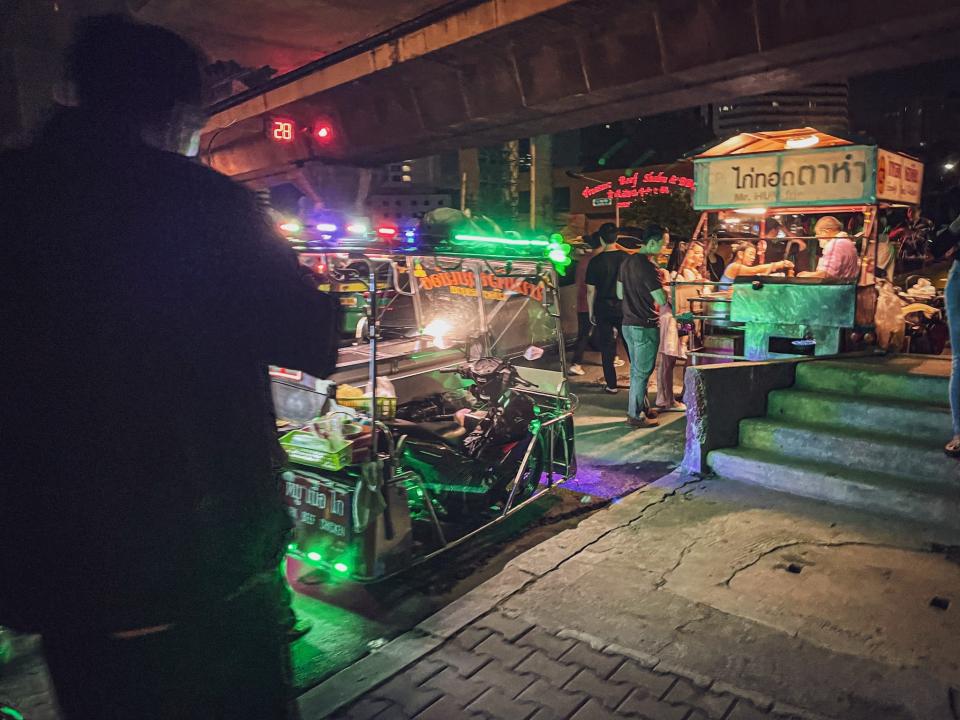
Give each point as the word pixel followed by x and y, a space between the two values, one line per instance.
pixel 877 379
pixel 922 462
pixel 912 421
pixel 878 492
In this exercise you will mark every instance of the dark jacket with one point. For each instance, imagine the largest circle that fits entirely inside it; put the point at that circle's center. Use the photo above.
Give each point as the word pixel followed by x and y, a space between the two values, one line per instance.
pixel 141 295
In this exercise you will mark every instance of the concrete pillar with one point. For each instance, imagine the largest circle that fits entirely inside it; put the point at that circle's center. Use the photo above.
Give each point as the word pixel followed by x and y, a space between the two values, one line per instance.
pixel 511 188
pixel 469 177
pixel 541 182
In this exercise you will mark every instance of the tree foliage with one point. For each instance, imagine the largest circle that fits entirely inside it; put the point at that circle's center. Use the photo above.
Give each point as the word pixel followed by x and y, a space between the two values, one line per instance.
pixel 673 210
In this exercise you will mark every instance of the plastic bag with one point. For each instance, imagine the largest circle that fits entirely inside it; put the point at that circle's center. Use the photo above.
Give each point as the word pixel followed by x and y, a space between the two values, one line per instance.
pixel 889 318
pixel 385 388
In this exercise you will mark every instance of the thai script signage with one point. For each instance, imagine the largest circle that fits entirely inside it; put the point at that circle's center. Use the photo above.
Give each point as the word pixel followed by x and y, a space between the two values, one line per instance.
pixel 317 505
pixel 830 176
pixel 495 287
pixel 899 178
pixel 626 189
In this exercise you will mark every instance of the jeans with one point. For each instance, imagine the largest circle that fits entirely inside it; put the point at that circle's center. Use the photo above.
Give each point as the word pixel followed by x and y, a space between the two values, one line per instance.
pixel 232 663
pixel 584 328
pixel 608 330
pixel 953 318
pixel 643 344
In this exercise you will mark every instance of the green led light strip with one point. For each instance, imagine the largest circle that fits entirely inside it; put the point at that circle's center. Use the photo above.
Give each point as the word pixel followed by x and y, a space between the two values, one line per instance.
pixel 501 241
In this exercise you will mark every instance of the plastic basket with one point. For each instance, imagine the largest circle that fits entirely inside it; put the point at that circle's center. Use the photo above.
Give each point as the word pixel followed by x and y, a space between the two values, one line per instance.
pixel 305 452
pixel 386 406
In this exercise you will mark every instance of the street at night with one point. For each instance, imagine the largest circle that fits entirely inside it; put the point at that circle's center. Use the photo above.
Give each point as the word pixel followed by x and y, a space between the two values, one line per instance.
pixel 491 359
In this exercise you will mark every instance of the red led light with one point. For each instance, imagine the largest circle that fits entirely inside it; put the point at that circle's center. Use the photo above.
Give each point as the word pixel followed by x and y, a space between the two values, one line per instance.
pixel 282 130
pixel 323 132
pixel 387 231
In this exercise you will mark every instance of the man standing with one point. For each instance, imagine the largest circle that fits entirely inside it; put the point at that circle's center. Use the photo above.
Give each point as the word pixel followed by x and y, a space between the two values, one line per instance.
pixel 639 287
pixel 840 260
pixel 602 300
pixel 584 326
pixel 145 293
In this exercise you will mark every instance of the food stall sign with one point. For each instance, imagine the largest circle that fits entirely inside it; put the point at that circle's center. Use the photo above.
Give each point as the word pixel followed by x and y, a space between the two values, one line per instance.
pixel 826 176
pixel 899 178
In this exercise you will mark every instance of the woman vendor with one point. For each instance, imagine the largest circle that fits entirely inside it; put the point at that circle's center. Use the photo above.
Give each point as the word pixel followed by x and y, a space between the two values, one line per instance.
pixel 742 265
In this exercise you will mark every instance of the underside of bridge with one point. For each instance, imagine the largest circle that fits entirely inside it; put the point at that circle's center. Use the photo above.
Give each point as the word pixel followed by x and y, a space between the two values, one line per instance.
pixel 493 72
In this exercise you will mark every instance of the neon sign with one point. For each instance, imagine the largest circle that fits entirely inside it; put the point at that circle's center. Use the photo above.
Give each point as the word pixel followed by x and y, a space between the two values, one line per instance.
pixel 281 130
pixel 636 186
pixel 590 191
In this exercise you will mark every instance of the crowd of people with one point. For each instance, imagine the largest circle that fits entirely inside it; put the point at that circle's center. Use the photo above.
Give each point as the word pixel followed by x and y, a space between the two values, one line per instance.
pixel 625 298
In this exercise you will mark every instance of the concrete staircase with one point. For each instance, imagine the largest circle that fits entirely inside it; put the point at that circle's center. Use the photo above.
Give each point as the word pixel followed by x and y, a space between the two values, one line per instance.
pixel 861 432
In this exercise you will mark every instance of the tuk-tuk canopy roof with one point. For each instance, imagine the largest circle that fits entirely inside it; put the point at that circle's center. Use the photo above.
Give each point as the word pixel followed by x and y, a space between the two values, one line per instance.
pixel 774 141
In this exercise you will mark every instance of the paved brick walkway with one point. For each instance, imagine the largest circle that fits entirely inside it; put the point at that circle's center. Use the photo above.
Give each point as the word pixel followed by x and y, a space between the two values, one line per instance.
pixel 503 668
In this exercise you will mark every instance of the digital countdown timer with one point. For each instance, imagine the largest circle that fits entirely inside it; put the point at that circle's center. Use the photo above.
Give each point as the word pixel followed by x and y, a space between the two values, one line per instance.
pixel 282 130
pixel 285 130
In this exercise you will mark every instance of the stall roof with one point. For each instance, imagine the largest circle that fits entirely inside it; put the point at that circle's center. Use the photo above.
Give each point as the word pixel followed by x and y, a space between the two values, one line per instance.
pixel 774 141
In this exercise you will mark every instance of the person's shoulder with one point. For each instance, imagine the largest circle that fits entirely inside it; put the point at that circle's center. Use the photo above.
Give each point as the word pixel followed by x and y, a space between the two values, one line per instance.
pixel 197 175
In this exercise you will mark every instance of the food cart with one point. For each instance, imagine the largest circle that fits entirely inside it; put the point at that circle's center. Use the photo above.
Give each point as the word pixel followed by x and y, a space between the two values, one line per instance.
pixel 769 188
pixel 427 436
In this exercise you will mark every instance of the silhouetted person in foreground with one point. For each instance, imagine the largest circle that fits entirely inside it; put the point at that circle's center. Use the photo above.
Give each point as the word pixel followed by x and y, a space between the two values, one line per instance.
pixel 141 296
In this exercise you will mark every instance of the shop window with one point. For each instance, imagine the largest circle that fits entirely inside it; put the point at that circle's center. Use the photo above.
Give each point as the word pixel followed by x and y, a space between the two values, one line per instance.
pixel 561 199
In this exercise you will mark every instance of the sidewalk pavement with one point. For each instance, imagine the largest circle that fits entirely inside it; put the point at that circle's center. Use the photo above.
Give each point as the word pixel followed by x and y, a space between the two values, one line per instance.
pixel 693 600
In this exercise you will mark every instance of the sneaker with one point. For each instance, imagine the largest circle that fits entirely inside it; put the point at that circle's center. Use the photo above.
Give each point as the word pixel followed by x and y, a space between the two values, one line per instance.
pixel 641 422
pixel 575 369
pixel 608 389
pixel 651 413
pixel 618 362
pixel 298 630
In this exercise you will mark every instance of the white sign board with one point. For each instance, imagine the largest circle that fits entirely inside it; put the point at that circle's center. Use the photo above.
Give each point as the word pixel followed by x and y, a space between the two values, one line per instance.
pixel 899 178
pixel 832 176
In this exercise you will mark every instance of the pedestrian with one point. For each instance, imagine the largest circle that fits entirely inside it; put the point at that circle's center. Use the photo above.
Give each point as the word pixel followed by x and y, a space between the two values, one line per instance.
pixel 591 244
pixel 639 287
pixel 947 244
pixel 605 310
pixel 145 293
pixel 673 347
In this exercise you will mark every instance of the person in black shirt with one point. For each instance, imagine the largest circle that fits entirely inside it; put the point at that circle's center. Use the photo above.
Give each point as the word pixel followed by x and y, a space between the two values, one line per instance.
pixel 715 262
pixel 641 291
pixel 146 293
pixel 605 312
